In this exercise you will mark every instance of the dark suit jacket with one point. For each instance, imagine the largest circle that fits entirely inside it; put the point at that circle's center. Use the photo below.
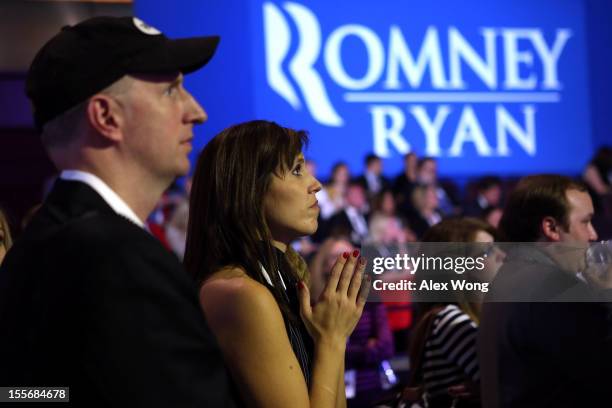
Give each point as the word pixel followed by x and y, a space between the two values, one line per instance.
pixel 340 225
pixel 363 181
pixel 91 301
pixel 544 338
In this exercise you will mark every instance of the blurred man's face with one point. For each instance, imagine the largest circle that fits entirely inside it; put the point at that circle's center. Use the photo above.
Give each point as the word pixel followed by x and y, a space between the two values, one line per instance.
pixel 355 196
pixel 428 173
pixel 375 167
pixel 341 176
pixel 492 195
pixel 388 204
pixel 410 162
pixel 580 216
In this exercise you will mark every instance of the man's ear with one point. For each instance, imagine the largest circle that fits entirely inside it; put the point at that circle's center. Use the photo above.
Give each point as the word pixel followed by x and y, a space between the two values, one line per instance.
pixel 551 229
pixel 104 115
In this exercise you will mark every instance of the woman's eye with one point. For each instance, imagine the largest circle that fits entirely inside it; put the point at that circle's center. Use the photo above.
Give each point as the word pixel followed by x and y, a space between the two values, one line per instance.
pixel 171 90
pixel 297 171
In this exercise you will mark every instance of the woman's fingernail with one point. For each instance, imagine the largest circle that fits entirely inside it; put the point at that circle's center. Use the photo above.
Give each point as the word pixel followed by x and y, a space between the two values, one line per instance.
pixel 345 255
pixel 355 253
pixel 362 261
pixel 300 285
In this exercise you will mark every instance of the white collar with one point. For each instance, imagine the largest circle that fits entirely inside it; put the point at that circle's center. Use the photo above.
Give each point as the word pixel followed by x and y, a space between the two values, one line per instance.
pixel 107 194
pixel 352 212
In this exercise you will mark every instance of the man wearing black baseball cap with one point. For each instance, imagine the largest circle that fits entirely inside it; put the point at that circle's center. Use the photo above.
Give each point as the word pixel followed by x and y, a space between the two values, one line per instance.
pixel 88 298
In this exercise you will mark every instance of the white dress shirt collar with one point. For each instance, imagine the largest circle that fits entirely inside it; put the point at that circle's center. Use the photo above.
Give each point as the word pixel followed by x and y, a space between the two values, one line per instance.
pixel 107 194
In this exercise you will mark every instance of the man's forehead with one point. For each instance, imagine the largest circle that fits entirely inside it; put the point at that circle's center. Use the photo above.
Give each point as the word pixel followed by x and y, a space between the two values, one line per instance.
pixel 580 202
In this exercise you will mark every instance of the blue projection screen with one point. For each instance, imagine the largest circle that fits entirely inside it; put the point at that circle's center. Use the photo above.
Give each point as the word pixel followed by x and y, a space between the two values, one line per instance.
pixel 484 86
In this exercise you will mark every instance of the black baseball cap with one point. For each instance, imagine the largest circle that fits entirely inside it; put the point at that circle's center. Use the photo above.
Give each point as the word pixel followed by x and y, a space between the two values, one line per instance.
pixel 85 58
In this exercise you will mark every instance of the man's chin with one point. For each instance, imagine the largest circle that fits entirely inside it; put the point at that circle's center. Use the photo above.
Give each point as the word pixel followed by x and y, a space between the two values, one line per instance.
pixel 183 169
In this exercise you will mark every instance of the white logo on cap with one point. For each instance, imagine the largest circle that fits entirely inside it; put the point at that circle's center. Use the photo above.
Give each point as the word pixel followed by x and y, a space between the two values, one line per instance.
pixel 144 27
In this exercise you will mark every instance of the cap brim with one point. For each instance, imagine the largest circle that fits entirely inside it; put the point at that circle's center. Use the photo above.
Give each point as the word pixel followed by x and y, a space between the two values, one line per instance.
pixel 185 55
pixel 193 53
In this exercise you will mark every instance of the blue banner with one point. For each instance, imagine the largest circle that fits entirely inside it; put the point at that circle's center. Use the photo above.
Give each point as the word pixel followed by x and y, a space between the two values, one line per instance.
pixel 484 86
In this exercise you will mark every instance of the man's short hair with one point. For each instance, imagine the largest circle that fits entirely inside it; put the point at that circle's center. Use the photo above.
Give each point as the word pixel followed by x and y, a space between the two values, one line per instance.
pixel 487 182
pixel 62 130
pixel 534 198
pixel 421 162
pixel 371 158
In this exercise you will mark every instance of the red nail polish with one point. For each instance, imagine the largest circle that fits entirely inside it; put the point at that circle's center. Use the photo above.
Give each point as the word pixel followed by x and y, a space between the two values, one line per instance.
pixel 345 255
pixel 355 253
pixel 301 285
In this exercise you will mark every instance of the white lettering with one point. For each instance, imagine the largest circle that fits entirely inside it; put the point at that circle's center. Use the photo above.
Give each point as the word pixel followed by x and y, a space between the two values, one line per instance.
pixel 469 130
pixel 550 57
pixel 399 56
pixel 514 58
pixel 430 128
pixel 460 50
pixel 392 133
pixel 375 59
pixel 525 137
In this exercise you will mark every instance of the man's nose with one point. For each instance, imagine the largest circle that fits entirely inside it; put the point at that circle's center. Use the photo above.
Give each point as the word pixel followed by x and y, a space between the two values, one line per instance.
pixel 592 233
pixel 195 112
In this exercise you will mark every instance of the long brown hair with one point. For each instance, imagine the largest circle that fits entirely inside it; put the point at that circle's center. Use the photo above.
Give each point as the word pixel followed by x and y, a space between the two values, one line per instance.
pixel 227 226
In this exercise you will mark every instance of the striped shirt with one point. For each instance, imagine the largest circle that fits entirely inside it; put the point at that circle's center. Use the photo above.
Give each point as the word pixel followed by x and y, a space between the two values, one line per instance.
pixel 450 351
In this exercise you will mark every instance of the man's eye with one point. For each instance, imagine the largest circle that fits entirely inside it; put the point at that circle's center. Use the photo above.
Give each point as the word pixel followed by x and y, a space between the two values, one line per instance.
pixel 171 90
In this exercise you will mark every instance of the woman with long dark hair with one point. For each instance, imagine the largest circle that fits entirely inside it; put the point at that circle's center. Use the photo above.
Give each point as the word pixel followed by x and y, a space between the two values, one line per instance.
pixel 252 196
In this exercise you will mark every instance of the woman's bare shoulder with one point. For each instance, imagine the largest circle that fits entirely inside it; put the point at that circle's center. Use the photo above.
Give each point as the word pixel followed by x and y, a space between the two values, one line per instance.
pixel 249 327
pixel 230 296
